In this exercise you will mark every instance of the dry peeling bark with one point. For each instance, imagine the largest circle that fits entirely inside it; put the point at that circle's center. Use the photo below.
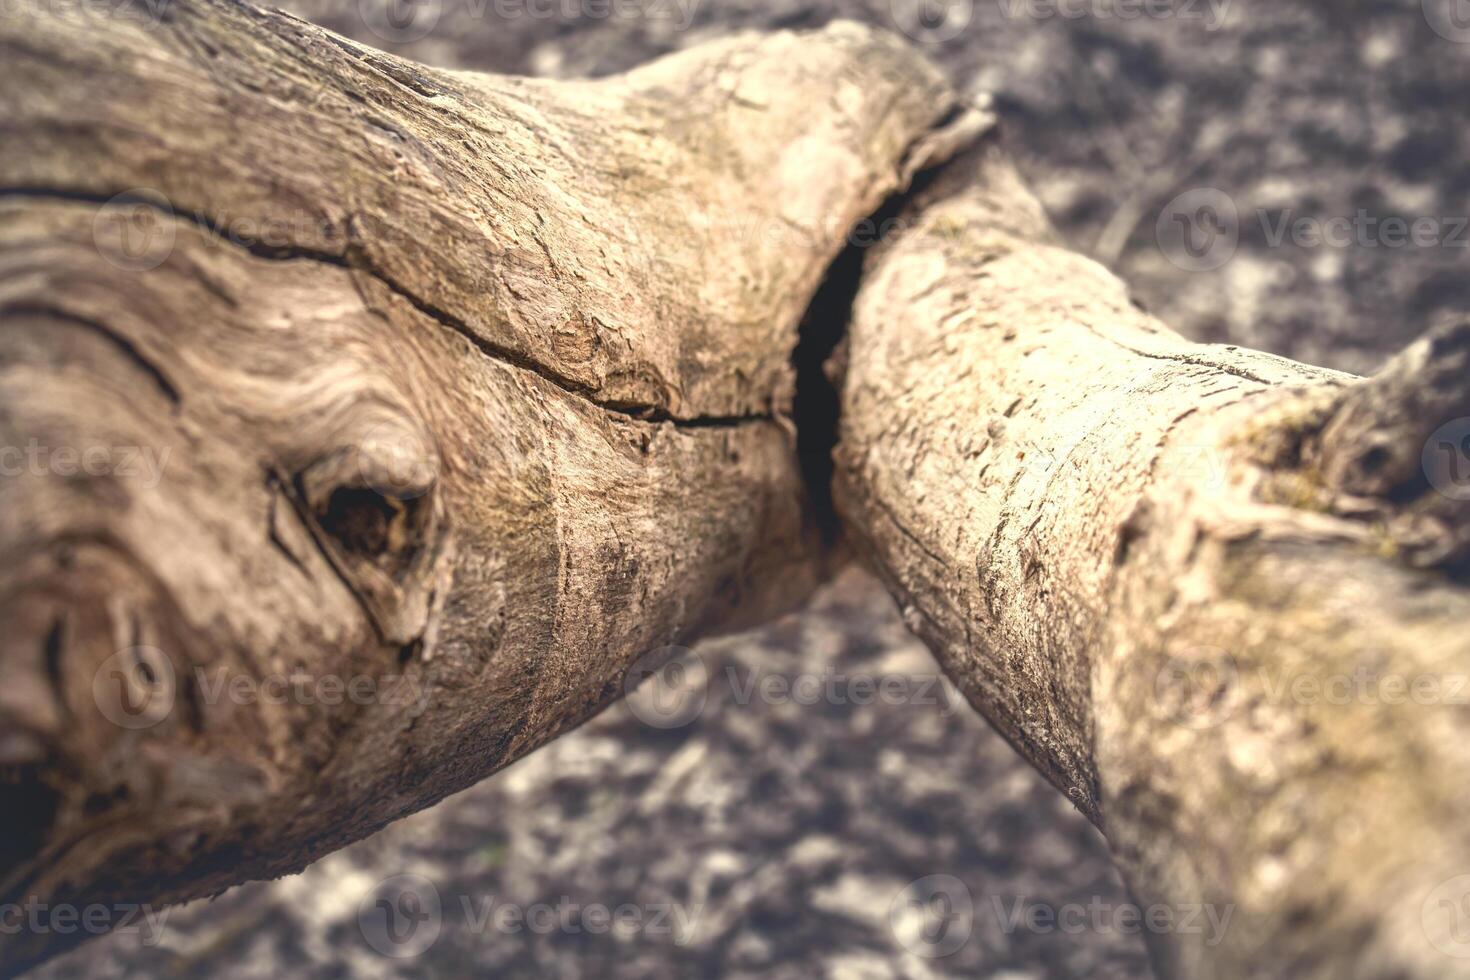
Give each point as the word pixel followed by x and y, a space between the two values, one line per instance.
pixel 471 387
pixel 1180 578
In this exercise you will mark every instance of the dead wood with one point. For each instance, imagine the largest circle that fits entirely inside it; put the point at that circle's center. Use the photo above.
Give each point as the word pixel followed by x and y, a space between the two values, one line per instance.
pixel 1216 596
pixel 367 421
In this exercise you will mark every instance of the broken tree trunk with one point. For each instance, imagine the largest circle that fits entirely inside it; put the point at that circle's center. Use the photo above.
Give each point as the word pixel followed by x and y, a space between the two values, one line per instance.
pixel 364 441
pixel 1211 593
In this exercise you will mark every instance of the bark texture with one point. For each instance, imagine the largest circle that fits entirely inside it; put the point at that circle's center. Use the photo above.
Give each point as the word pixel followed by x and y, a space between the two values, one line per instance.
pixel 1181 579
pixel 470 387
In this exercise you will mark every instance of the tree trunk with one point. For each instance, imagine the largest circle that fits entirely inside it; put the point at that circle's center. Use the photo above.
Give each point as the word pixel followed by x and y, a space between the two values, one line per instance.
pixel 1210 592
pixel 363 422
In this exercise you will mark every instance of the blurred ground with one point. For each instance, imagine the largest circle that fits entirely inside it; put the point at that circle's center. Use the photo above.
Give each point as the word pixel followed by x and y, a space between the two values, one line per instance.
pixel 787 835
pixel 758 836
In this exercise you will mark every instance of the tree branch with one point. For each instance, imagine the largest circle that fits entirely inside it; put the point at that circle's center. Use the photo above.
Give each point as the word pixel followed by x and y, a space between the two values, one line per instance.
pixel 463 390
pixel 1150 564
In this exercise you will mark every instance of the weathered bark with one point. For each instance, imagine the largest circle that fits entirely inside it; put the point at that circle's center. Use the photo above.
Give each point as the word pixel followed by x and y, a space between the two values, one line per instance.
pixel 1140 557
pixel 470 388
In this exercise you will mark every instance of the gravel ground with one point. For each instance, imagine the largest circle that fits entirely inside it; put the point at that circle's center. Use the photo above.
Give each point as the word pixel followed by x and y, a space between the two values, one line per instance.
pixel 737 820
pixel 765 837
